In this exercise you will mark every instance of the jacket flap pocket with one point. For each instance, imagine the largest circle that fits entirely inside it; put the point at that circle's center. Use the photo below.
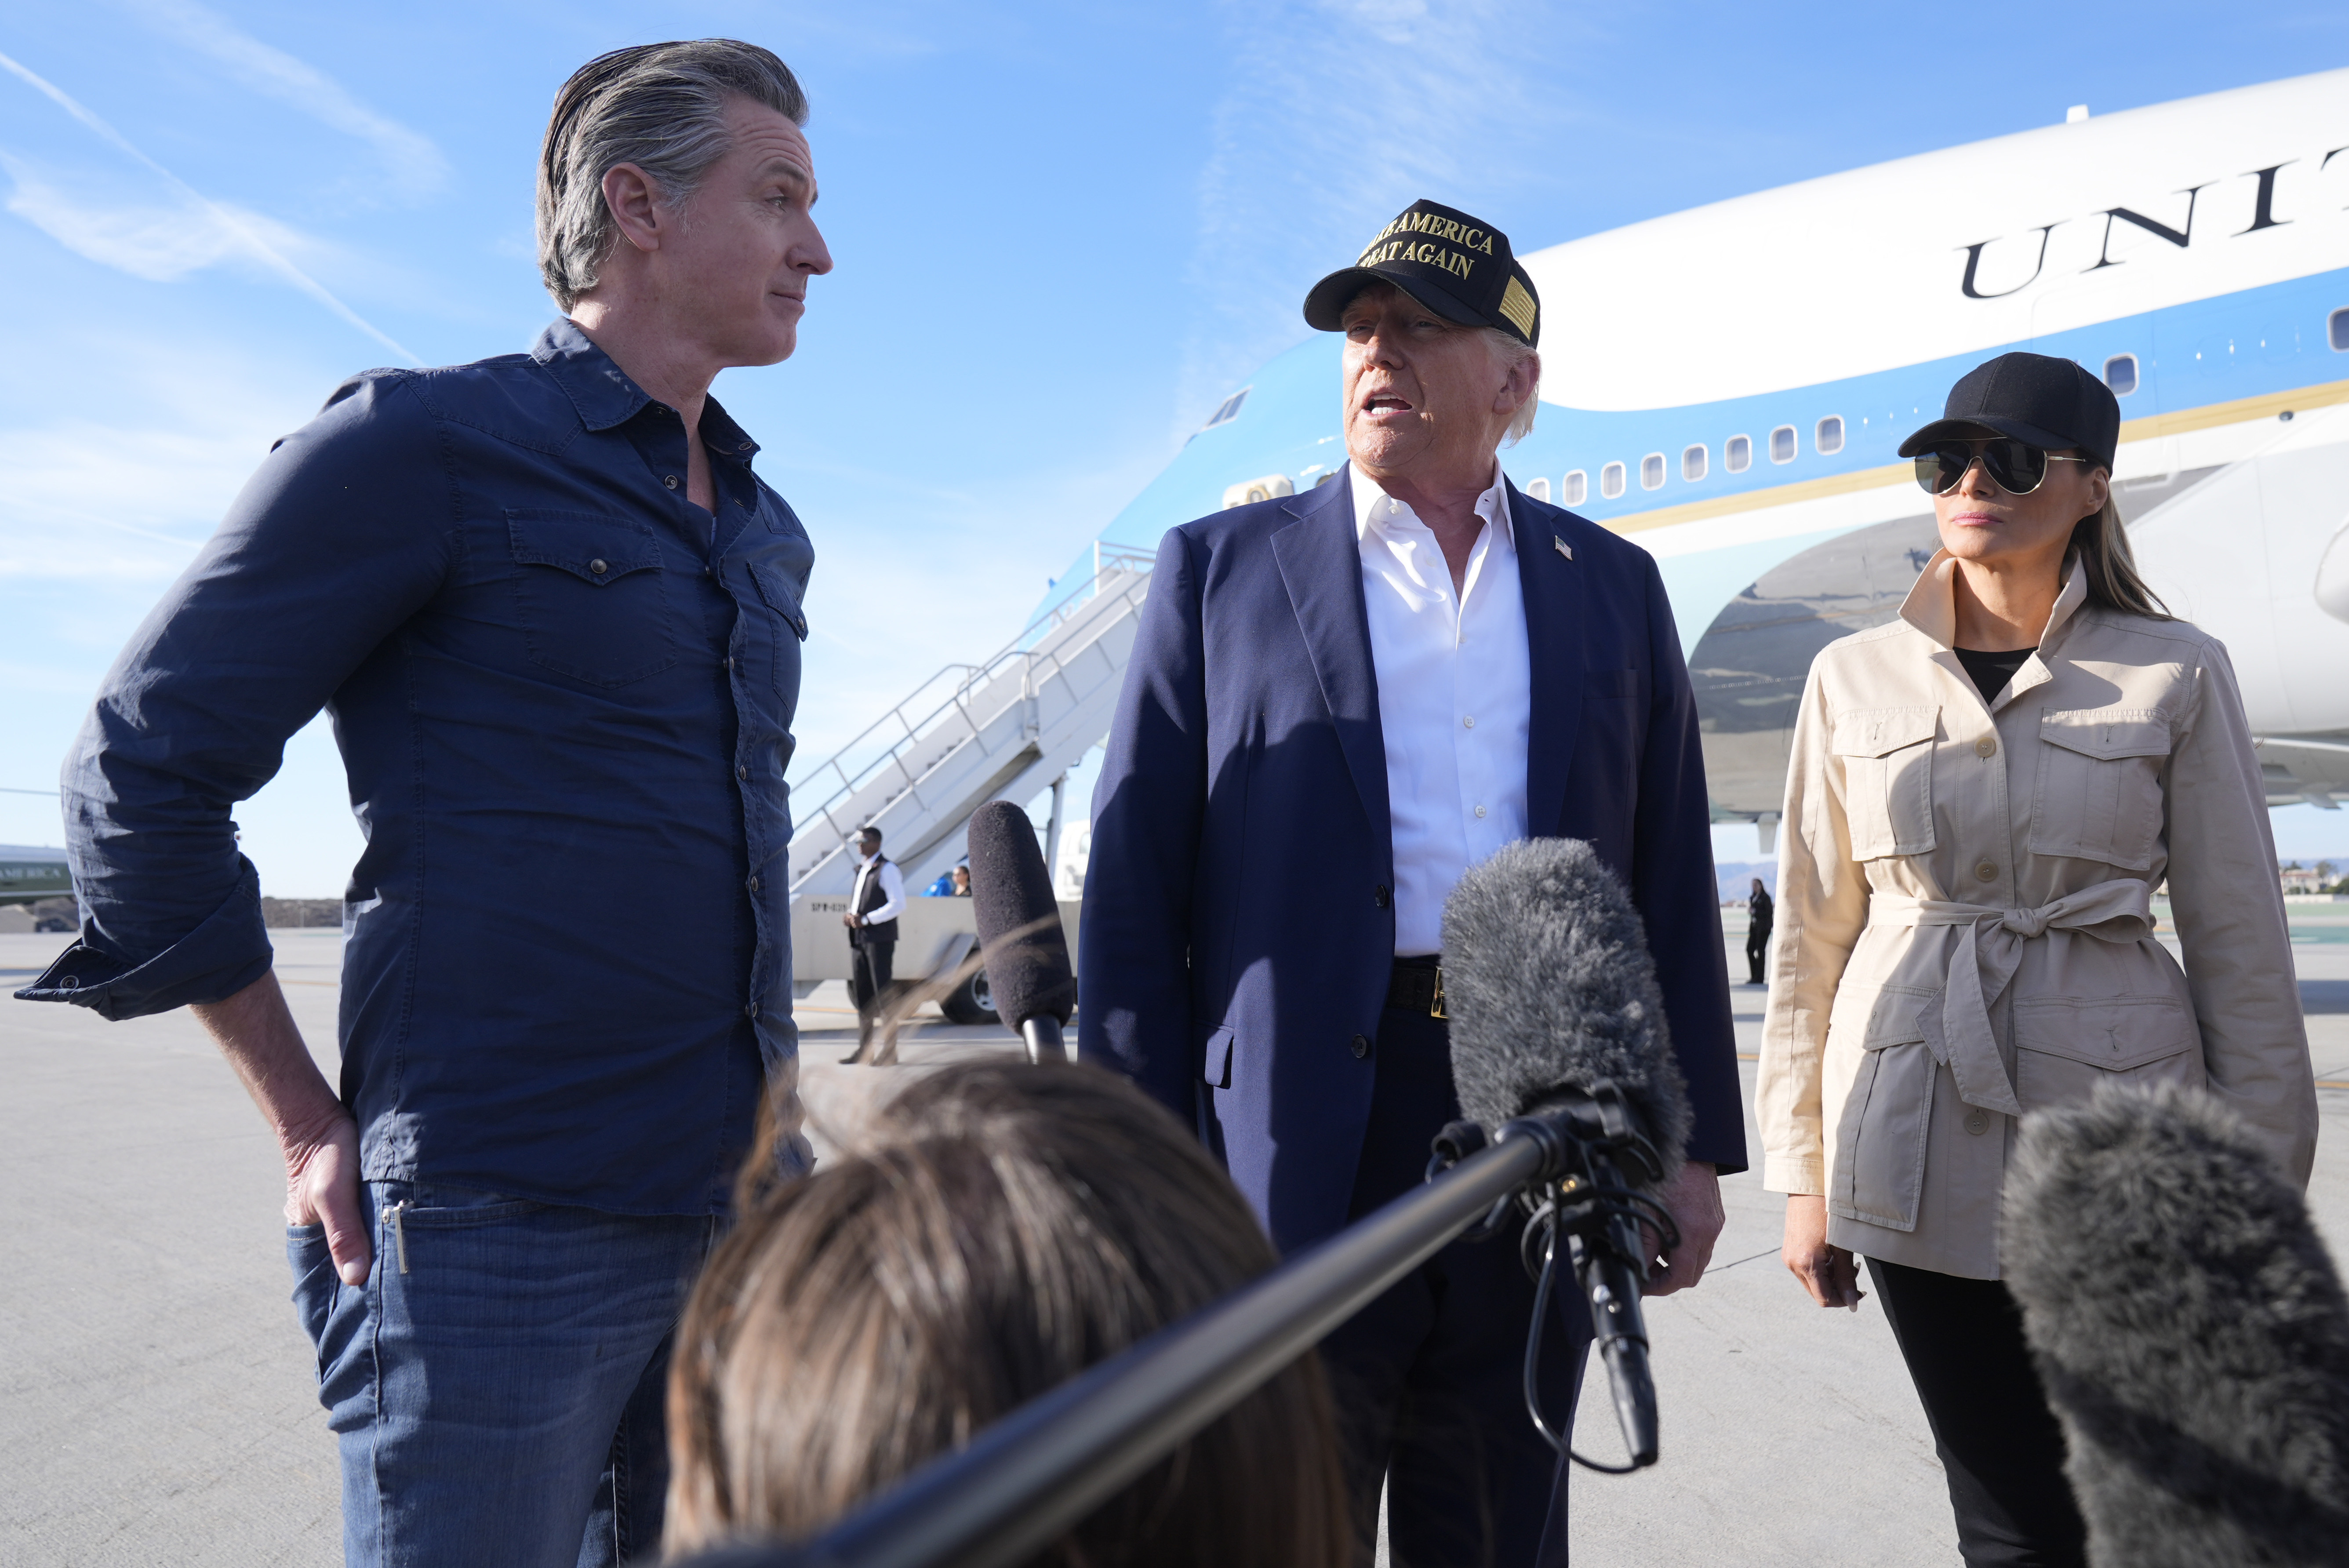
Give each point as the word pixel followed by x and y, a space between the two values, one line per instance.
pixel 1879 732
pixel 776 589
pixel 592 547
pixel 1215 1066
pixel 2114 1032
pixel 1880 1015
pixel 2108 733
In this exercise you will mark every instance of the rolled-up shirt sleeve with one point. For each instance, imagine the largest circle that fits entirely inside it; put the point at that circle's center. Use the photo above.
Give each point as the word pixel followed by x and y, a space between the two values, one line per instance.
pixel 343 534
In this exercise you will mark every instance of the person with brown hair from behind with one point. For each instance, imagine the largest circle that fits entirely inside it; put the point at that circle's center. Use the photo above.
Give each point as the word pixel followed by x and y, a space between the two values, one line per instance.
pixel 1003 1229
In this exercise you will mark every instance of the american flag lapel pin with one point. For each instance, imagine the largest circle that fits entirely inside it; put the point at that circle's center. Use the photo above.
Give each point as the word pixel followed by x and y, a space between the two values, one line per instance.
pixel 1563 547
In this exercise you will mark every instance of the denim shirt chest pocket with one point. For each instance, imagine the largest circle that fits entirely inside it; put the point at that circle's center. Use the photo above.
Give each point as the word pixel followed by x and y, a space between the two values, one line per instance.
pixel 2099 796
pixel 1888 771
pixel 779 575
pixel 589 596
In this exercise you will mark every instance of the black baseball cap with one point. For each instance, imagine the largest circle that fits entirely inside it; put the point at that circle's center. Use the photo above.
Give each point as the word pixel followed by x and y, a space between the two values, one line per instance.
pixel 2050 404
pixel 1458 266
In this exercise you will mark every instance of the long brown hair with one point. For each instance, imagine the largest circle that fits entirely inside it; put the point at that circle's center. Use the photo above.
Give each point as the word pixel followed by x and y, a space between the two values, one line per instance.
pixel 2101 541
pixel 1009 1227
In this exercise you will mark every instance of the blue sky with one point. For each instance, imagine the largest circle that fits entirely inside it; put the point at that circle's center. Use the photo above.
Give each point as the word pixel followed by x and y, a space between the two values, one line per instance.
pixel 1063 233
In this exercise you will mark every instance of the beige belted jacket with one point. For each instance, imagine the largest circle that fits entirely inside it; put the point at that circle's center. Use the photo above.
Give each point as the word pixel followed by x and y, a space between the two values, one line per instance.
pixel 1964 923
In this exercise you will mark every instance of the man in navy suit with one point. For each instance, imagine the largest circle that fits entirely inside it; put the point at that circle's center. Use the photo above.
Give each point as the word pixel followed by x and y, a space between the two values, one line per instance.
pixel 1336 702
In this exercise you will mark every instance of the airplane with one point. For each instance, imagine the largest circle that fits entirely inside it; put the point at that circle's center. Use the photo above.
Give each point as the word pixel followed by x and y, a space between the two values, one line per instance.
pixel 1728 386
pixel 28 875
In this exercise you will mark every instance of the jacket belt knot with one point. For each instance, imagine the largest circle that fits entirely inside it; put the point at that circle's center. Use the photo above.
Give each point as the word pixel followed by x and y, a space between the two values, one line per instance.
pixel 1956 1023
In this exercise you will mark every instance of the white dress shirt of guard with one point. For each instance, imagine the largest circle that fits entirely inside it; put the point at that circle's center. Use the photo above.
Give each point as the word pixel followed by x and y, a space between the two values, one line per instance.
pixel 1455 697
pixel 892 891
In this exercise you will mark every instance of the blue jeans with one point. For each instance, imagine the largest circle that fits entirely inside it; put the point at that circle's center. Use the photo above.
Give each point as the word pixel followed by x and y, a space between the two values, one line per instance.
pixel 497 1384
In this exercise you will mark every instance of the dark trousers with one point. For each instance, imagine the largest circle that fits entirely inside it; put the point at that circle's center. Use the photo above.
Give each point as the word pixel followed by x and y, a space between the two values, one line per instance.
pixel 1757 949
pixel 1999 1442
pixel 868 980
pixel 1430 1378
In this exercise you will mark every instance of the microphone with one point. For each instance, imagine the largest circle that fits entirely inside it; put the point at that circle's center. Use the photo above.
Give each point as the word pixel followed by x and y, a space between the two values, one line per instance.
pixel 1555 1006
pixel 1019 935
pixel 2190 1329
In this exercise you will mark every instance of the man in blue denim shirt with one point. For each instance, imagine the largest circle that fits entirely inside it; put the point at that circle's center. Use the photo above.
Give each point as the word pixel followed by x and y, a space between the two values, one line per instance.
pixel 556 619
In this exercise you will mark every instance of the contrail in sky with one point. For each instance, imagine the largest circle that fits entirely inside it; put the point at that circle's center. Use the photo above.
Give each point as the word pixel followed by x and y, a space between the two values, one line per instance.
pixel 228 220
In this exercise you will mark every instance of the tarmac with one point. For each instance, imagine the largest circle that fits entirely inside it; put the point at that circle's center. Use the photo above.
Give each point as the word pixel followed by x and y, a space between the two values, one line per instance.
pixel 157 1403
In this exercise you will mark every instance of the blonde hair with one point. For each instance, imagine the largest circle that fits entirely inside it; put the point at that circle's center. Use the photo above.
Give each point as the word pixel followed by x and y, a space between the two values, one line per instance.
pixel 1010 1227
pixel 2100 542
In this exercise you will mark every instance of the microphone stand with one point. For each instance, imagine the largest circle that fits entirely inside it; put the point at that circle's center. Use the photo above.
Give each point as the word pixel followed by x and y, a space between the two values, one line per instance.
pixel 1030 1478
pixel 1041 1034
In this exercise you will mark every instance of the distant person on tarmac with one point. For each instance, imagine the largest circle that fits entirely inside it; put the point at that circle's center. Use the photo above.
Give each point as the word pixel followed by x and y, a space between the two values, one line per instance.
pixel 556 616
pixel 874 902
pixel 1757 933
pixel 1983 796
pixel 962 882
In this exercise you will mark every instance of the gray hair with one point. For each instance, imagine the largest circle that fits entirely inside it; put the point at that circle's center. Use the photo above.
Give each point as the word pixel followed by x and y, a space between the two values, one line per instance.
pixel 1512 352
pixel 661 106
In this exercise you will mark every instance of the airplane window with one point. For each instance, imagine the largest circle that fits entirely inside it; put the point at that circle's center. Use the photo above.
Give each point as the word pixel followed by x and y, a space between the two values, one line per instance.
pixel 2336 330
pixel 1693 463
pixel 1782 444
pixel 2120 374
pixel 1611 481
pixel 1830 435
pixel 1537 488
pixel 1577 489
pixel 1230 410
pixel 1738 453
pixel 1652 471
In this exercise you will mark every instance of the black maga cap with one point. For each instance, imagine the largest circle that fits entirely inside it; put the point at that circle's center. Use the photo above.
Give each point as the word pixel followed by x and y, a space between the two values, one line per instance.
pixel 1458 266
pixel 2050 404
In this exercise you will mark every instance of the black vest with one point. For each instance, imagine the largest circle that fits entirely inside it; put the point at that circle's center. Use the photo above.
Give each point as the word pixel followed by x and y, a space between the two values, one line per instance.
pixel 887 931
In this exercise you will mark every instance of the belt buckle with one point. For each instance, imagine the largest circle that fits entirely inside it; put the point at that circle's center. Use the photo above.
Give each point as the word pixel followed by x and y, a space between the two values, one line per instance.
pixel 1436 1003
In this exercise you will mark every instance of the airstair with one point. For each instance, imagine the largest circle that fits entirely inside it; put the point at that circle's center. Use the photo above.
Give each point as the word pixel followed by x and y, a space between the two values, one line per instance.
pixel 1007 729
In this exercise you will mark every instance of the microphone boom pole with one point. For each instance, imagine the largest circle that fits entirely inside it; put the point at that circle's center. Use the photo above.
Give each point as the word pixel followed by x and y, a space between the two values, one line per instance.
pixel 1033 1476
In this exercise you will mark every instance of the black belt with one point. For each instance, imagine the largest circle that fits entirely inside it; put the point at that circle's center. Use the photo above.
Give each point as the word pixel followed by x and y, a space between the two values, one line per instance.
pixel 1416 985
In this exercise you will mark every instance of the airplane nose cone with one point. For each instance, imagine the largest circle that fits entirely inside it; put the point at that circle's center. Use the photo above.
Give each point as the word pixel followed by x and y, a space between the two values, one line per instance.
pixel 2332 577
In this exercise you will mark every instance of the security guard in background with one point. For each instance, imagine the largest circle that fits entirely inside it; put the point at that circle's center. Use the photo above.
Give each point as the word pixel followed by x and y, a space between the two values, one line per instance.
pixel 872 921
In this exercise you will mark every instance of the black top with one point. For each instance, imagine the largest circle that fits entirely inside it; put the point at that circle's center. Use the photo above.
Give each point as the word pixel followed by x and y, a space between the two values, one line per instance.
pixel 1992 671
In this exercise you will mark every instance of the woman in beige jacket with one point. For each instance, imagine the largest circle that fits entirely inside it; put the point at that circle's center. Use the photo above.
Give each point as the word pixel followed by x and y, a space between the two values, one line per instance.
pixel 1984 795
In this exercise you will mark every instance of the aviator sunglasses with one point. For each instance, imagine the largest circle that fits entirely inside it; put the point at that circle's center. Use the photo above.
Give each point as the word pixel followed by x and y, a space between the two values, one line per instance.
pixel 2015 466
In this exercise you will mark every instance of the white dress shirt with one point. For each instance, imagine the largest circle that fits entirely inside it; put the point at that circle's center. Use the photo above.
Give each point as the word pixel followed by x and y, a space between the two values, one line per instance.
pixel 892 891
pixel 1455 698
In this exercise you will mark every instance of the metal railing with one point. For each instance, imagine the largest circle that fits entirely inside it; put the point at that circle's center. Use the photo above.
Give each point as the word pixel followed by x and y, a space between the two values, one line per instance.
pixel 955 707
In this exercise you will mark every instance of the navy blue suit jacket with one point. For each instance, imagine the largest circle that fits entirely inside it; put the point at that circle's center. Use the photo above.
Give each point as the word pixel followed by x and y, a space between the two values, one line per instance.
pixel 1238 926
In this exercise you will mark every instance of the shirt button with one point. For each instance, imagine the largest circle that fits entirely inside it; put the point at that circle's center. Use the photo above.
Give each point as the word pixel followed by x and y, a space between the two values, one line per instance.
pixel 1987 871
pixel 741 772
pixel 670 480
pixel 599 567
pixel 1381 897
pixel 1469 722
pixel 1361 1046
pixel 1977 1122
pixel 1986 747
pixel 1480 811
pixel 730 662
pixel 754 884
pixel 746 446
pixel 751 1011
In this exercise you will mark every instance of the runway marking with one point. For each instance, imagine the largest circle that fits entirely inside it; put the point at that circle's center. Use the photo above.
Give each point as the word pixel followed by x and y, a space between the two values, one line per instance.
pixel 1717 1268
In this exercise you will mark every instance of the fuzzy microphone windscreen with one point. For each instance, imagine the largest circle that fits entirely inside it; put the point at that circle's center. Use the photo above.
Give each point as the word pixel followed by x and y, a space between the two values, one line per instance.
pixel 2190 1329
pixel 1027 952
pixel 1549 986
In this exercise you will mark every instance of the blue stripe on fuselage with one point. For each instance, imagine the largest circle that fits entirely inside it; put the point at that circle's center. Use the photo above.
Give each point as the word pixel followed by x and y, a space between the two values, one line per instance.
pixel 2246 344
